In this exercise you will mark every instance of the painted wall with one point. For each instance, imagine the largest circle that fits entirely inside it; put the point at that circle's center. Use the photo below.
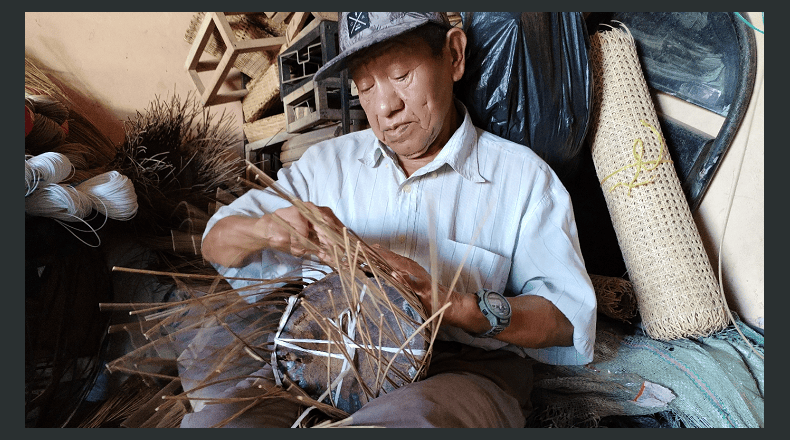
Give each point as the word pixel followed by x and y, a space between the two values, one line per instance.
pixel 119 62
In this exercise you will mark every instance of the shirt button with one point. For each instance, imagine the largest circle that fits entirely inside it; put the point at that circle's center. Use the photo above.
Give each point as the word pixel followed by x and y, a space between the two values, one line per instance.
pixel 407 189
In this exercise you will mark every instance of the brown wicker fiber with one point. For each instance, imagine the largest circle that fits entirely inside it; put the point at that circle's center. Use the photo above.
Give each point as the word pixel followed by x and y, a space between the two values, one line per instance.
pixel 677 293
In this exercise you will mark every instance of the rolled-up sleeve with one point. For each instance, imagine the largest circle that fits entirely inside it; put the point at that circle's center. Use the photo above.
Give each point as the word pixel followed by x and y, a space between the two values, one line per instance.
pixel 548 262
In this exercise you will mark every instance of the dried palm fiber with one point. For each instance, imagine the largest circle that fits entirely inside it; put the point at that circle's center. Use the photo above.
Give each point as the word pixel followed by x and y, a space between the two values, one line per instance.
pixel 675 287
pixel 178 154
pixel 221 340
pixel 264 93
pixel 98 148
pixel 138 403
pixel 615 297
pixel 250 26
pixel 264 128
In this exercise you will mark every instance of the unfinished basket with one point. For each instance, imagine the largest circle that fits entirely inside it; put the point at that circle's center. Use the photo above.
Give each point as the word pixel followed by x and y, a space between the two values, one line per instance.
pixel 677 293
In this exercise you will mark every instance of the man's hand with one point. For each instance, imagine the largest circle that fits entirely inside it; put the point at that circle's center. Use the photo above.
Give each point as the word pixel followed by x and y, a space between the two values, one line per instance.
pixel 419 280
pixel 287 230
pixel 536 322
pixel 235 238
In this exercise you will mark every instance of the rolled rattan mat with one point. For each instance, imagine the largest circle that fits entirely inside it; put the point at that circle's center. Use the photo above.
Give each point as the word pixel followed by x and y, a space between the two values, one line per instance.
pixel 677 293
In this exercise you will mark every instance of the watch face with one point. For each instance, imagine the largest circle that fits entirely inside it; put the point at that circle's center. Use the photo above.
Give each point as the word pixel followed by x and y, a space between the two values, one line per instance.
pixel 498 304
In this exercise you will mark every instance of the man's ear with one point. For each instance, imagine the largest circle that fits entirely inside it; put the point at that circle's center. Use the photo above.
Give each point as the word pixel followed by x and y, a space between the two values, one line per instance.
pixel 455 40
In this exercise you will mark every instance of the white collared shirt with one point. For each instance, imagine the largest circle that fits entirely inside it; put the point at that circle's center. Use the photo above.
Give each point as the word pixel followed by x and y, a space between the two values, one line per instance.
pixel 484 201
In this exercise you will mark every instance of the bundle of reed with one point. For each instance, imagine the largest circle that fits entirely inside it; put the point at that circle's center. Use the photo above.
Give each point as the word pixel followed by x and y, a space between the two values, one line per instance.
pixel 222 340
pixel 96 145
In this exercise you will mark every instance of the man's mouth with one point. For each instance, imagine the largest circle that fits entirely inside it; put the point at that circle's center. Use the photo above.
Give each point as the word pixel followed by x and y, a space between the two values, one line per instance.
pixel 397 132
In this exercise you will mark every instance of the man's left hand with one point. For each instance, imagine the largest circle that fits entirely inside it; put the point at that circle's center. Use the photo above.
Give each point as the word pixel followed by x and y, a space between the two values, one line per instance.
pixel 419 280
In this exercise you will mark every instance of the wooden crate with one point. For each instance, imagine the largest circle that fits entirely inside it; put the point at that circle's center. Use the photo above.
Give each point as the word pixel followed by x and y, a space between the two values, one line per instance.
pixel 209 93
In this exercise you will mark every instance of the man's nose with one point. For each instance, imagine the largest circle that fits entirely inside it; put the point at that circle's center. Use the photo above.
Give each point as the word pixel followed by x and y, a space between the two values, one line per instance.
pixel 388 101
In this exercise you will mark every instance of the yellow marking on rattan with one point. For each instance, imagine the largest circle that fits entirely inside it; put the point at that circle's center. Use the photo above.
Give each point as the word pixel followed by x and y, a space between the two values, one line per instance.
pixel 640 164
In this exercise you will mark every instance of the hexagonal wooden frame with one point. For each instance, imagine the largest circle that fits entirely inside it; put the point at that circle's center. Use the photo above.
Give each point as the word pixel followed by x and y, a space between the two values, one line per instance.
pixel 209 94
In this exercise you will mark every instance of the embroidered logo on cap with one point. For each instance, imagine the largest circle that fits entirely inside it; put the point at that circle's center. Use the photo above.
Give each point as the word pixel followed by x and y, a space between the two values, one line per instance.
pixel 357 22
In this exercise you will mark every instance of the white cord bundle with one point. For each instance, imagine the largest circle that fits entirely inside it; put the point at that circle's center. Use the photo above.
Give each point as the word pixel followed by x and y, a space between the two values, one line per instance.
pixel 110 193
pixel 48 167
pixel 62 202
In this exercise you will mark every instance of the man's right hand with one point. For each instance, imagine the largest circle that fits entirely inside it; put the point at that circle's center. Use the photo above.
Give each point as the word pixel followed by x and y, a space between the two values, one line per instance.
pixel 235 238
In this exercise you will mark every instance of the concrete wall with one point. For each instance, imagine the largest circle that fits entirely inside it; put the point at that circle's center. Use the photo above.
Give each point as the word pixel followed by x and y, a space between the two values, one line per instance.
pixel 120 61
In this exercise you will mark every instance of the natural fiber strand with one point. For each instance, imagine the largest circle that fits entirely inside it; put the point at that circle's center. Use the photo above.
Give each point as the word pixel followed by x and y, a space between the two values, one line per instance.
pixel 80 128
pixel 130 396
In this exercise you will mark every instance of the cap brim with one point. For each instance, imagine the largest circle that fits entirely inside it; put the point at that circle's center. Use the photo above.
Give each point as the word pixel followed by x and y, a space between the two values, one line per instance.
pixel 340 62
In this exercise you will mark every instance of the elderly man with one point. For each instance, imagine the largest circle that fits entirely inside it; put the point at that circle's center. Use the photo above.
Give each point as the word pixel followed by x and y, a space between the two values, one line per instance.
pixel 423 176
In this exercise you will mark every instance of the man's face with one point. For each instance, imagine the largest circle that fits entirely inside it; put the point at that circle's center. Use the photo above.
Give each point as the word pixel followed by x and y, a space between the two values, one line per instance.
pixel 407 95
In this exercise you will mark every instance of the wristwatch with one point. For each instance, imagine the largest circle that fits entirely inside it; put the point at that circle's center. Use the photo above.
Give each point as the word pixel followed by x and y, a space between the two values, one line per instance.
pixel 496 309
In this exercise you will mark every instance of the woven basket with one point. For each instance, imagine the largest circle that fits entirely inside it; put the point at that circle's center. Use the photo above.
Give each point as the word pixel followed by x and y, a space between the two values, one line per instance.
pixel 264 92
pixel 264 128
pixel 677 293
pixel 245 27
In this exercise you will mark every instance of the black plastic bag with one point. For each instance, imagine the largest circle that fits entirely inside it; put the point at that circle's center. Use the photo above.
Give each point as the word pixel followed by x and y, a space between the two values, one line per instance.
pixel 528 80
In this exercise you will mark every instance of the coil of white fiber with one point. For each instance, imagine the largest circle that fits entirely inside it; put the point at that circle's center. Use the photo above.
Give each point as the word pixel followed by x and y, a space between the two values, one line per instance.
pixel 45 168
pixel 58 201
pixel 112 194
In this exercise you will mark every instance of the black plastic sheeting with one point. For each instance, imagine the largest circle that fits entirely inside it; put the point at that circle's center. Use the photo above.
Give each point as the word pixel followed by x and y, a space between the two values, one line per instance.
pixel 538 95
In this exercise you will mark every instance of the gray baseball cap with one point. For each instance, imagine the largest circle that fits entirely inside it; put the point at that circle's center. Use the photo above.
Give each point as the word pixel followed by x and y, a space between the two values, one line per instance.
pixel 360 30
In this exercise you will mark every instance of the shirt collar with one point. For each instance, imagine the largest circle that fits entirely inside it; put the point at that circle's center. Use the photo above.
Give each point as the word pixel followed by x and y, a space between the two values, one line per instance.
pixel 459 152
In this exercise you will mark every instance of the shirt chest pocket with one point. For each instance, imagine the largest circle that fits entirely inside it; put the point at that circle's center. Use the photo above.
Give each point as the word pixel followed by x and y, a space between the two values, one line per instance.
pixel 480 268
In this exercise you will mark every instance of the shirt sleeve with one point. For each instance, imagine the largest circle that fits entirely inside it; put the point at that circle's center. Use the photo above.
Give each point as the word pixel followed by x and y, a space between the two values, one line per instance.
pixel 548 262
